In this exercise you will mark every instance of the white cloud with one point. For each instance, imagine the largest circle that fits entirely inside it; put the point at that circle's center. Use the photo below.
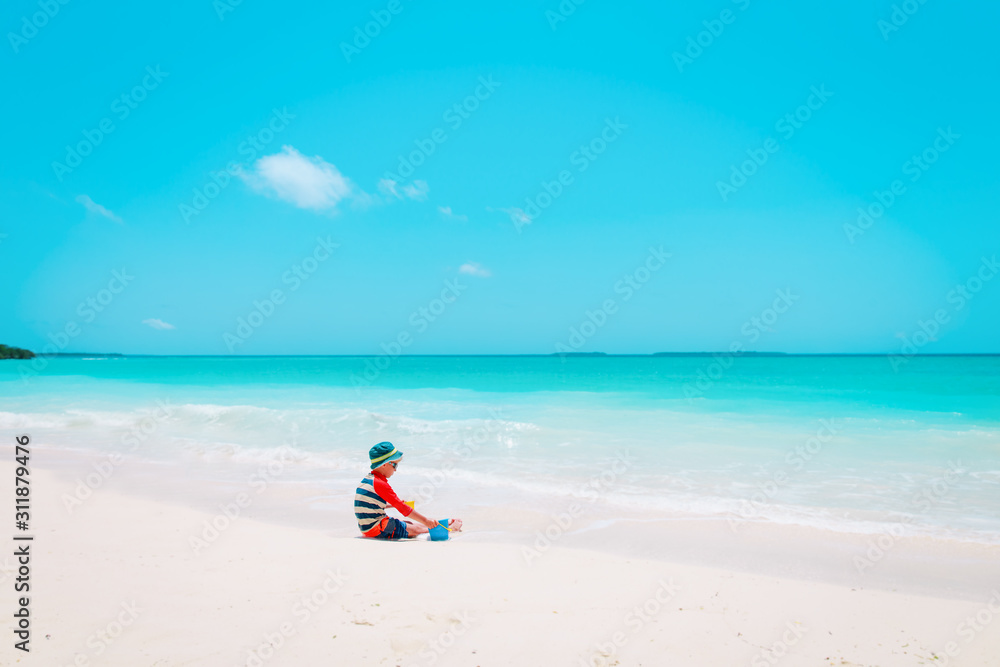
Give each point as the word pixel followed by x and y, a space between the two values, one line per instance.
pixel 158 324
pixel 475 269
pixel 311 183
pixel 451 215
pixel 517 215
pixel 94 207
pixel 362 200
pixel 416 190
pixel 388 187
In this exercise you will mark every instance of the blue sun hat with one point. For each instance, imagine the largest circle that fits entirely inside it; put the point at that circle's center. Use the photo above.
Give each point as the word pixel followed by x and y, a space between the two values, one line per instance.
pixel 382 453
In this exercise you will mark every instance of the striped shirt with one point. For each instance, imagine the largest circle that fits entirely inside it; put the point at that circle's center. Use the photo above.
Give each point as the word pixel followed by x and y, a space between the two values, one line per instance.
pixel 370 500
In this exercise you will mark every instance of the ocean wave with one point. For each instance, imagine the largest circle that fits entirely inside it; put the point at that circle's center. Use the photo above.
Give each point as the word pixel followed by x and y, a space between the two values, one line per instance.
pixel 211 427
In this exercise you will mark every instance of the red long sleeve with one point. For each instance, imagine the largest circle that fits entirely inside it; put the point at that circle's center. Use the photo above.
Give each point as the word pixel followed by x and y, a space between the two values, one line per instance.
pixel 383 489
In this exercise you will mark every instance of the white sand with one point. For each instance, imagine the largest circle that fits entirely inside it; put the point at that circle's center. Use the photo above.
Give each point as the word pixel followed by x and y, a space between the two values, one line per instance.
pixel 466 602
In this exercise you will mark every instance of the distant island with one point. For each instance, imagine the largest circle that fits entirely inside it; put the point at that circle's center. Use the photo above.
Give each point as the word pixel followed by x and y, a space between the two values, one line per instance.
pixel 712 354
pixel 7 352
pixel 88 354
pixel 668 354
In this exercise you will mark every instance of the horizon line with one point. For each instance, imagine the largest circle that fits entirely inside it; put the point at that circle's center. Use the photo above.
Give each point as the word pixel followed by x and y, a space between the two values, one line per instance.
pixel 537 354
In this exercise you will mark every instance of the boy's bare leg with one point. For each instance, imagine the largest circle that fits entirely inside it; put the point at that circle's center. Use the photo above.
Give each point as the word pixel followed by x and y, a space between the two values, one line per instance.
pixel 414 529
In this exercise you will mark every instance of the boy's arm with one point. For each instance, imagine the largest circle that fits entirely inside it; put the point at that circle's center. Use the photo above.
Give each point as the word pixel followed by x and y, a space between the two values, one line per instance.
pixel 383 489
pixel 430 523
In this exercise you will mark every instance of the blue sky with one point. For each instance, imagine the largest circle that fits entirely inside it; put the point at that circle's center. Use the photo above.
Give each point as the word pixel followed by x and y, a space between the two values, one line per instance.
pixel 642 148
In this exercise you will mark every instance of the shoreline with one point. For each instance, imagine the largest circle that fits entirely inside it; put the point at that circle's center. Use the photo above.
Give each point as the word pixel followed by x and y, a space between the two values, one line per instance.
pixel 885 560
pixel 602 490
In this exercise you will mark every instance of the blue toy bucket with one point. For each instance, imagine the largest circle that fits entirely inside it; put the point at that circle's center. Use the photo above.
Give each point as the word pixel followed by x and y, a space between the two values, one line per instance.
pixel 439 532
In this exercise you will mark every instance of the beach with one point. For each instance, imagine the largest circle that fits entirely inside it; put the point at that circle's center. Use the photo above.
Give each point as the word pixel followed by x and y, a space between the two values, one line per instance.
pixel 117 582
pixel 198 511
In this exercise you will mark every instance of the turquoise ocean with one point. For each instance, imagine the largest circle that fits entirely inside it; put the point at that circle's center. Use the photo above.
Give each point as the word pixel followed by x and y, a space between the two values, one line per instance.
pixel 846 443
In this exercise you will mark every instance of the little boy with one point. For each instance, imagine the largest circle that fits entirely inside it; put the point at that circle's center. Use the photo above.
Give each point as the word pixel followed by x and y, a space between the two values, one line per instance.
pixel 374 492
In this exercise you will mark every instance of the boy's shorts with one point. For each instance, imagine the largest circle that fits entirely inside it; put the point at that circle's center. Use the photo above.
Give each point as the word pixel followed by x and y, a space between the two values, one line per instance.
pixel 394 530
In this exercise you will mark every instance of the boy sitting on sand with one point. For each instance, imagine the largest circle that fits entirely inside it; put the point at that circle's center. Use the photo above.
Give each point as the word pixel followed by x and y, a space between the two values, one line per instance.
pixel 374 492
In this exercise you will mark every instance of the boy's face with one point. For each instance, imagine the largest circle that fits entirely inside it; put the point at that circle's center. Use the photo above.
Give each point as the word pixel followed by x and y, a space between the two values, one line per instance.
pixel 387 469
